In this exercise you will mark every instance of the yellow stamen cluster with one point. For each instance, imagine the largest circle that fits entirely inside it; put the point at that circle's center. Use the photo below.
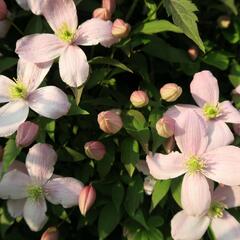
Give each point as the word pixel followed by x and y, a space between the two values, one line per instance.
pixel 194 164
pixel 65 33
pixel 211 111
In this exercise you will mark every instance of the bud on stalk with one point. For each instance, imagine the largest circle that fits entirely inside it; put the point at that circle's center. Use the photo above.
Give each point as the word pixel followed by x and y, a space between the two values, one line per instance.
pixel 95 150
pixel 120 29
pixel 50 234
pixel 87 198
pixel 165 127
pixel 139 99
pixel 170 92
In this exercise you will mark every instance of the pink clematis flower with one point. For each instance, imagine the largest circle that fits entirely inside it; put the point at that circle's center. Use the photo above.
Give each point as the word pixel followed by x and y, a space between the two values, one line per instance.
pixel 30 190
pixel 205 91
pixel 197 162
pixel 223 224
pixel 22 94
pixel 62 18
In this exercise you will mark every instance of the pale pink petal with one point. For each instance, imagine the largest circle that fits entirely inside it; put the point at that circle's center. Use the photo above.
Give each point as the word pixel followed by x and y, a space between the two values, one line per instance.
pixel 219 134
pixel 40 162
pixel 34 213
pixel 226 228
pixel 15 207
pixel 227 195
pixel 23 4
pixel 6 85
pixel 166 166
pixel 50 102
pixel 185 227
pixel 223 165
pixel 11 116
pixel 204 88
pixel 32 74
pixel 95 31
pixel 39 48
pixel 60 12
pixel 192 137
pixel 73 66
pixel 195 194
pixel 229 113
pixel 14 185
pixel 35 6
pixel 64 191
pixel 20 166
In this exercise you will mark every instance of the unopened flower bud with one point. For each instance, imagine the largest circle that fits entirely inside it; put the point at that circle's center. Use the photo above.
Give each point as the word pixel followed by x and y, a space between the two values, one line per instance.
pixel 120 29
pixel 26 134
pixel 224 22
pixel 170 92
pixel 87 198
pixel 139 99
pixel 165 127
pixel 193 53
pixel 95 150
pixel 3 10
pixel 102 13
pixel 50 234
pixel 110 5
pixel 148 185
pixel 169 145
pixel 109 122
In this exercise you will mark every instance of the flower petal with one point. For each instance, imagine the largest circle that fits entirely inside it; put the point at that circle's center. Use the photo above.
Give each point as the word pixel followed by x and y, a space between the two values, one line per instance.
pixel 11 116
pixel 195 194
pixel 40 162
pixel 223 165
pixel 20 166
pixel 64 191
pixel 23 4
pixel 15 207
pixel 5 84
pixel 13 185
pixel 228 195
pixel 34 214
pixel 35 6
pixel 32 74
pixel 39 48
pixel 73 66
pixel 60 12
pixel 204 88
pixel 95 31
pixel 192 137
pixel 50 102
pixel 166 166
pixel 185 227
pixel 219 134
pixel 226 228
pixel 230 113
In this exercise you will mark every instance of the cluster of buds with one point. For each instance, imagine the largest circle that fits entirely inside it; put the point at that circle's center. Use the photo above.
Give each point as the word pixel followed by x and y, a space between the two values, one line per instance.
pixel 87 198
pixel 139 99
pixel 95 150
pixel 170 92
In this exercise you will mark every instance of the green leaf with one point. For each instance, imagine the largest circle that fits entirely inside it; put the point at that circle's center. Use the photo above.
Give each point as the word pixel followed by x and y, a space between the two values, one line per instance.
pixel 231 5
pixel 176 187
pixel 155 221
pixel 217 59
pixel 7 62
pixel 157 26
pixel 160 190
pixel 6 221
pixel 182 12
pixel 117 195
pixel 35 25
pixel 75 154
pixel 129 154
pixel 152 9
pixel 108 220
pixel 139 217
pixel 11 151
pixel 234 75
pixel 111 62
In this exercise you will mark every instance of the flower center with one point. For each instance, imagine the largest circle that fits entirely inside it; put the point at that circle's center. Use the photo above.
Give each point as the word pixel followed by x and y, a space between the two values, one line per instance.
pixel 211 111
pixel 18 90
pixel 216 210
pixel 194 164
pixel 65 33
pixel 34 192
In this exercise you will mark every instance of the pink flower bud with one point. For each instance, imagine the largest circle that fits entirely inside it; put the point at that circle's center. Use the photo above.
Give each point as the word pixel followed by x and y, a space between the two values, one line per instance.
pixel 148 185
pixel 193 53
pixel 87 198
pixel 139 99
pixel 224 22
pixel 169 145
pixel 26 134
pixel 170 92
pixel 110 5
pixel 120 29
pixel 165 127
pixel 236 128
pixel 3 10
pixel 109 122
pixel 50 234
pixel 102 13
pixel 95 150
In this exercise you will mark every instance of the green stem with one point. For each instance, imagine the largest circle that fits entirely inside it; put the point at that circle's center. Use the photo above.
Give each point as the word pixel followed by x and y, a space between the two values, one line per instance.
pixel 131 10
pixel 15 26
